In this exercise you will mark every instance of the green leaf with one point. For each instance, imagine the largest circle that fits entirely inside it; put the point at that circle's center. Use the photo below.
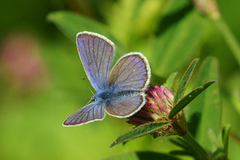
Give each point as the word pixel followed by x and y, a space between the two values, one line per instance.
pixel 138 132
pixel 71 23
pixel 127 156
pixel 177 45
pixel 205 110
pixel 221 150
pixel 155 79
pixel 234 90
pixel 188 98
pixel 146 155
pixel 181 153
pixel 225 138
pixel 184 81
pixel 230 38
pixel 214 140
pixel 170 80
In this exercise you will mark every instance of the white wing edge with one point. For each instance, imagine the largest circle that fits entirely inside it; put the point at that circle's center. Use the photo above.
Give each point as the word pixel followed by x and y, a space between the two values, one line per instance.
pixel 74 125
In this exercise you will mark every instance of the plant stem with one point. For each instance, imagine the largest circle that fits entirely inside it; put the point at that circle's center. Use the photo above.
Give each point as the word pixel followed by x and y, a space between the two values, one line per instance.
pixel 202 154
pixel 229 38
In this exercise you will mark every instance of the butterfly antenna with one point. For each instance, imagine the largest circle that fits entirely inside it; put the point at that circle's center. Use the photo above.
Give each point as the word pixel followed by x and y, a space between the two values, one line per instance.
pixel 87 85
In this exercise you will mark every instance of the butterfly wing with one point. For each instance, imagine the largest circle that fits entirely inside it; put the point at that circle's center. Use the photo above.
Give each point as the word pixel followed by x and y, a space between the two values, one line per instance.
pixel 96 52
pixel 125 106
pixel 89 113
pixel 131 73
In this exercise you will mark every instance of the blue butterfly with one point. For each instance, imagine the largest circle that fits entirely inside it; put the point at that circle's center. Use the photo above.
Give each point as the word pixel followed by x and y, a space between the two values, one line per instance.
pixel 121 91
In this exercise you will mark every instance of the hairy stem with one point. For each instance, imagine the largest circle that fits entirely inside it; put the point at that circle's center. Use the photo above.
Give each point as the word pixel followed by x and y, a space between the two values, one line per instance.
pixel 202 154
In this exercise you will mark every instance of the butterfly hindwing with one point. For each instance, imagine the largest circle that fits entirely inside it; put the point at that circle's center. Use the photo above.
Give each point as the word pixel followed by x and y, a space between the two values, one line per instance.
pixel 129 77
pixel 89 113
pixel 125 106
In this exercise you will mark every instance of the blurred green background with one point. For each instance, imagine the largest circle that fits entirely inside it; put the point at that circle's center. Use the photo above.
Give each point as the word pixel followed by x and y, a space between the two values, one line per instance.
pixel 41 73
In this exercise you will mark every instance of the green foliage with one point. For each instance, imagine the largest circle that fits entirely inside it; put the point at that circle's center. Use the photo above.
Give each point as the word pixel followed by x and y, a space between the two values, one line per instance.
pixel 188 98
pixel 141 156
pixel 184 82
pixel 225 139
pixel 206 105
pixel 127 156
pixel 70 23
pixel 170 80
pixel 183 37
pixel 138 132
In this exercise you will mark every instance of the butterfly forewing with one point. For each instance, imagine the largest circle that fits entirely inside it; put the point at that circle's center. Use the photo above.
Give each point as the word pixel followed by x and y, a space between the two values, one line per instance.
pixel 131 72
pixel 89 113
pixel 96 53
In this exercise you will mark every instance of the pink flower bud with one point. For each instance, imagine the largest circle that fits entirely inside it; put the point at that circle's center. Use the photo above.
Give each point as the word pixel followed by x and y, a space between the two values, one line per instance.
pixel 158 105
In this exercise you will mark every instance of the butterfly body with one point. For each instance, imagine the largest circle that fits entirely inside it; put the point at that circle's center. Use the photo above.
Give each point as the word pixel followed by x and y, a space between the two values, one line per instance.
pixel 111 95
pixel 121 91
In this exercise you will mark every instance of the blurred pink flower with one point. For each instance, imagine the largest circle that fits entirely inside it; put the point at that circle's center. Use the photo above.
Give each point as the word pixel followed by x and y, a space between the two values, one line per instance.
pixel 21 61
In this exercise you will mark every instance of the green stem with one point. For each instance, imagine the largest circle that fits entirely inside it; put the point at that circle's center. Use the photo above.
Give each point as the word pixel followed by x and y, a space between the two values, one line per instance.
pixel 229 38
pixel 202 154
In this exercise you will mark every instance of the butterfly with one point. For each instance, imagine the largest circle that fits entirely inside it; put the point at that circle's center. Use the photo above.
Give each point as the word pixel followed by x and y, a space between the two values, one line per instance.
pixel 121 91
